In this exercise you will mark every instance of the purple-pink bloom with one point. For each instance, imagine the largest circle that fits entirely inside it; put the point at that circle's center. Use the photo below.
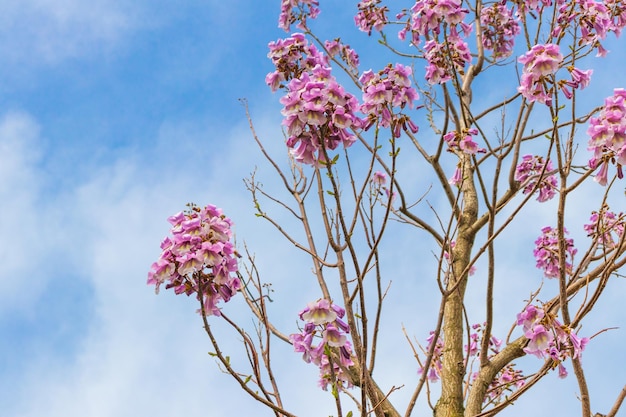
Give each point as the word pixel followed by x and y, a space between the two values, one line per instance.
pixel 605 227
pixel 318 312
pixel 608 136
pixel 546 252
pixel 333 336
pixel 539 63
pixel 323 318
pixel 539 340
pixel 198 257
pixel 533 173
pixel 379 178
pixel 371 16
pixel 499 29
pixel 529 317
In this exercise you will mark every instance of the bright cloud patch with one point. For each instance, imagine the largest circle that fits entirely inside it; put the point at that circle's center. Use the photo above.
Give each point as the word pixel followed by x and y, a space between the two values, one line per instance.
pixel 51 30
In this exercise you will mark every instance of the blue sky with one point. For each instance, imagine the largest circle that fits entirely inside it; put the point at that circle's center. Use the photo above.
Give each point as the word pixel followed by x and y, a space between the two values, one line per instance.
pixel 113 115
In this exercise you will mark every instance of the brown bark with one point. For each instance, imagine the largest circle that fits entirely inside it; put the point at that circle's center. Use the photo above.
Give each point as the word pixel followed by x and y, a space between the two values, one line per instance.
pixel 450 403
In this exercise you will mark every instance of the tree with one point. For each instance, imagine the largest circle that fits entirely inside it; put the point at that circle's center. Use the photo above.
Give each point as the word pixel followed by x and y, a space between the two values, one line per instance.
pixel 487 159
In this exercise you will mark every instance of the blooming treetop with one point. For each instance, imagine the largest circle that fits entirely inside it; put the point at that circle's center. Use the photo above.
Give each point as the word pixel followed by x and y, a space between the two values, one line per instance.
pixel 329 100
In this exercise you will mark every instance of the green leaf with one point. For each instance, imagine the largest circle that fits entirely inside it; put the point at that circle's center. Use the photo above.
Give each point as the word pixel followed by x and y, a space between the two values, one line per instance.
pixel 212 354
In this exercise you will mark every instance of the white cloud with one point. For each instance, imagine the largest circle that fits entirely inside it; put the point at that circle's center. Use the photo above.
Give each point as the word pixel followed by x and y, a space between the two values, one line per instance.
pixel 48 31
pixel 20 236
pixel 147 355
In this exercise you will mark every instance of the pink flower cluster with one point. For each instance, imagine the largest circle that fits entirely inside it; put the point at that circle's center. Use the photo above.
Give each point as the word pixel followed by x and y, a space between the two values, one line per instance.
pixel 333 352
pixel 499 29
pixel 390 87
pixel 445 58
pixel 292 11
pixel 546 252
pixel 528 174
pixel 199 257
pixel 426 17
pixel 606 227
pixel 462 142
pixel 507 380
pixel 540 65
pixel 541 62
pixel 319 113
pixel 594 18
pixel 608 136
pixel 292 57
pixel 549 338
pixel 347 54
pixel 580 79
pixel 434 372
pixel 371 16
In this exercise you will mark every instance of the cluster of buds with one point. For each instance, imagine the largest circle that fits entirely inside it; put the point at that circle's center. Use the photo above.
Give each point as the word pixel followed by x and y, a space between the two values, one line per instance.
pixel 198 258
pixel 324 342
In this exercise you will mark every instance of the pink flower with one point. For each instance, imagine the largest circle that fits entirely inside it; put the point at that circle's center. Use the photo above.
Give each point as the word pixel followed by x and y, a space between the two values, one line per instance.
pixel 457 177
pixel 539 342
pixel 333 336
pixel 318 312
pixel 379 178
pixel 529 317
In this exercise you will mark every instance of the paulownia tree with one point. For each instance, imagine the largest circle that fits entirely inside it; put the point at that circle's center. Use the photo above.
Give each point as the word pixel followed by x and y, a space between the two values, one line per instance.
pixel 471 125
